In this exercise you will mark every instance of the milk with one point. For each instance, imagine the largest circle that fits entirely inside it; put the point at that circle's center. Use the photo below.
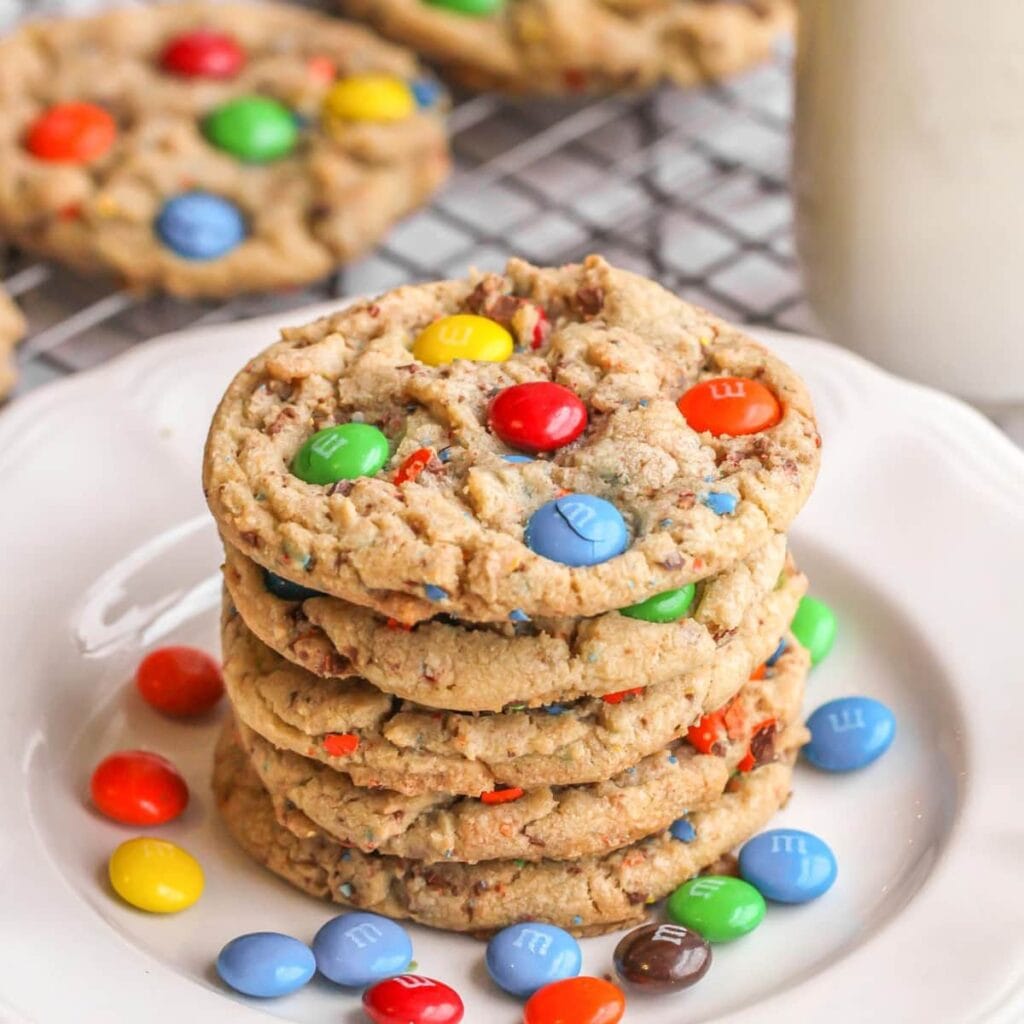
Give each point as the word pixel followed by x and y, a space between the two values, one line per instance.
pixel 909 183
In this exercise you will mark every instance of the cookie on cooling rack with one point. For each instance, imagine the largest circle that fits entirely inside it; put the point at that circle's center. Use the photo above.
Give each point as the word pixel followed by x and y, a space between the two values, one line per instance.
pixel 12 330
pixel 581 46
pixel 210 149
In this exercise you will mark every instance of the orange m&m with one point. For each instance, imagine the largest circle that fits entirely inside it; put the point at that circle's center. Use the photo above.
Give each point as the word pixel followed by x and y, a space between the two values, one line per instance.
pixel 74 133
pixel 576 1001
pixel 730 405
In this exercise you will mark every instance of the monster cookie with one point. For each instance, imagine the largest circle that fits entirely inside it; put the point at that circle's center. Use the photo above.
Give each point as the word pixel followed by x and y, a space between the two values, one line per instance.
pixel 403 445
pixel 462 667
pixel 559 823
pixel 586 896
pixel 12 330
pixel 209 149
pixel 573 46
pixel 380 741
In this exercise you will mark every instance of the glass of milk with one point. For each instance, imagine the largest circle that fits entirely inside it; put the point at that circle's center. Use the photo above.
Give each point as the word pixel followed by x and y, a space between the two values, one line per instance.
pixel 909 186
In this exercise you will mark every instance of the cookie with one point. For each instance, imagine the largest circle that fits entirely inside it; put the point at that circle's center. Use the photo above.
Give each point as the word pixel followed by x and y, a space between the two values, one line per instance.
pixel 426 500
pixel 447 664
pixel 12 330
pixel 557 823
pixel 380 741
pixel 586 896
pixel 209 149
pixel 584 46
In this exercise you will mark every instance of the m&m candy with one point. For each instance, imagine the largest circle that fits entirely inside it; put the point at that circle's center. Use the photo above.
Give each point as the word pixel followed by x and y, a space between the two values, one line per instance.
pixel 577 1000
pixel 369 97
pixel 463 336
pixel 662 957
pixel 730 405
pixel 179 681
pixel 788 866
pixel 200 226
pixel 155 875
pixel 471 7
pixel 814 626
pixel 256 129
pixel 412 999
pixel 577 529
pixel 524 957
pixel 360 948
pixel 718 907
pixel 266 964
pixel 538 416
pixel 72 133
pixel 849 733
pixel 138 788
pixel 665 607
pixel 344 452
pixel 203 54
pixel 285 590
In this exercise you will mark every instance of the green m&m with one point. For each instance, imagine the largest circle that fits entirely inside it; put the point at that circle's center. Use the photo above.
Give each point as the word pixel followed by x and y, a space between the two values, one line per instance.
pixel 253 128
pixel 666 607
pixel 814 626
pixel 473 7
pixel 718 907
pixel 341 453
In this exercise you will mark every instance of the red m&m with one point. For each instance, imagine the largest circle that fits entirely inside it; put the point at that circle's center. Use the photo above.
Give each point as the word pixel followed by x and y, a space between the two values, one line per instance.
pixel 730 405
pixel 538 416
pixel 412 999
pixel 138 788
pixel 203 54
pixel 73 133
pixel 180 681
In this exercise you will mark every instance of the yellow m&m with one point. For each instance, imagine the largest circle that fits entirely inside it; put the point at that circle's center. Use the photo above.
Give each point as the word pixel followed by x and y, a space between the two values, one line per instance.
pixel 463 336
pixel 155 875
pixel 371 97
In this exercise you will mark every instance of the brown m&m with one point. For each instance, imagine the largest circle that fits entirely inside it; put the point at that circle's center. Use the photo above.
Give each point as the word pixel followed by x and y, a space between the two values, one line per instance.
pixel 662 957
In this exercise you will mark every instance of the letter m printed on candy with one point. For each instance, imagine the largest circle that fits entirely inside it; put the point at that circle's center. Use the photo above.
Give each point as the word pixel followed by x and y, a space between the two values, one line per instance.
pixel 364 934
pixel 727 389
pixel 847 719
pixel 674 933
pixel 535 942
pixel 787 844
pixel 413 981
pixel 705 888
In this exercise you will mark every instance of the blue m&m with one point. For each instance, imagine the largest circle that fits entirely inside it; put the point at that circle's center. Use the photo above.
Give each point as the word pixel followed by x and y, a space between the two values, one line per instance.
pixel 285 589
pixel 266 964
pixel 849 733
pixel 359 949
pixel 200 226
pixel 524 957
pixel 788 866
pixel 577 529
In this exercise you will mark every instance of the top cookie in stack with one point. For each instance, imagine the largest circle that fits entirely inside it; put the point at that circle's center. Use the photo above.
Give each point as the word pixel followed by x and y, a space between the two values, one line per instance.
pixel 506 577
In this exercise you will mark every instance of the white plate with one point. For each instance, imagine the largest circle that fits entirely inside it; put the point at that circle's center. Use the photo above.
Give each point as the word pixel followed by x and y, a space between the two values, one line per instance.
pixel 915 535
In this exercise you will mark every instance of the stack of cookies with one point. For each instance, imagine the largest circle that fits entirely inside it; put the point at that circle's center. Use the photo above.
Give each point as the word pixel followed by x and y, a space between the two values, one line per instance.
pixel 507 597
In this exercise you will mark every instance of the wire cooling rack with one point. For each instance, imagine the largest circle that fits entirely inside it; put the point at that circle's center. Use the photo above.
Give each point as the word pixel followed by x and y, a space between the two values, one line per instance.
pixel 688 187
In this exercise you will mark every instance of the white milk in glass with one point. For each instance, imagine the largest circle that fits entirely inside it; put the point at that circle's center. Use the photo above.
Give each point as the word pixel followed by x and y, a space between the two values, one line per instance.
pixel 909 183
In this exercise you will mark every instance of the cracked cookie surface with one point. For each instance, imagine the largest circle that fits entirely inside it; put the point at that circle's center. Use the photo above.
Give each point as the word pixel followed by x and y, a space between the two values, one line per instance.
pixel 452 665
pixel 586 896
pixel 585 46
pixel 760 724
pixel 298 213
pixel 452 539
pixel 414 750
